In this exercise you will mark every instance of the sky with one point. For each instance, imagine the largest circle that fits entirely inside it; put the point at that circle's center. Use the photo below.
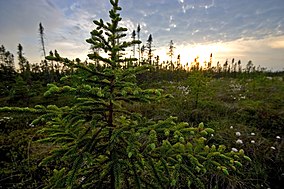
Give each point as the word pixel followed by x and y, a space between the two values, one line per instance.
pixel 240 29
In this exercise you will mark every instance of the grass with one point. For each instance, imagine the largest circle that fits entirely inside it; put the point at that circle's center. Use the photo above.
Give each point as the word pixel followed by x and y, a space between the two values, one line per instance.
pixel 252 106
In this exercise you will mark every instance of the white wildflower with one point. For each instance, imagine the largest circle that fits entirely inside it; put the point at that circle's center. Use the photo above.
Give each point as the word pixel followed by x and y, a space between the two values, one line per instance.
pixel 278 137
pixel 273 148
pixel 234 149
pixel 212 135
pixel 239 141
pixel 252 134
pixel 82 179
pixel 238 134
pixel 231 127
pixel 252 141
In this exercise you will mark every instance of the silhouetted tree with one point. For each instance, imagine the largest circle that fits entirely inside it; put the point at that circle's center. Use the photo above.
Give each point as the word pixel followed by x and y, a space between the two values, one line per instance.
pixel 133 36
pixel 225 66
pixel 178 62
pixel 195 64
pixel 149 48
pixel 7 71
pixel 157 58
pixel 210 61
pixel 219 67
pixel 239 66
pixel 41 32
pixel 6 59
pixel 23 62
pixel 171 50
pixel 249 66
pixel 142 52
pixel 138 38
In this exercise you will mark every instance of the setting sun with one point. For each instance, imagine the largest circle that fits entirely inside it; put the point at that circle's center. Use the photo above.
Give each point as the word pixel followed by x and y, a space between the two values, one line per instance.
pixel 188 53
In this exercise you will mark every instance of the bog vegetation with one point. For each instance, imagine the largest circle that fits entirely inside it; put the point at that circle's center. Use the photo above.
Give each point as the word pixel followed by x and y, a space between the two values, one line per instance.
pixel 121 122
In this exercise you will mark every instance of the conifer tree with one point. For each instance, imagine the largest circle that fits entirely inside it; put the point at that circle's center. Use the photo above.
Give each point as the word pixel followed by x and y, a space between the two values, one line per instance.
pixel 24 64
pixel 142 50
pixel 149 48
pixel 100 143
pixel 249 66
pixel 6 59
pixel 171 54
pixel 225 66
pixel 138 38
pixel 7 71
pixel 210 61
pixel 171 50
pixel 21 58
pixel 2 54
pixel 133 36
pixel 47 71
pixel 41 32
pixel 239 66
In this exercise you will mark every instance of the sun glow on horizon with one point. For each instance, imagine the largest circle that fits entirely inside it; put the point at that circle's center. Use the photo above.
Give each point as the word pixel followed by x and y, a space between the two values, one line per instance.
pixel 188 53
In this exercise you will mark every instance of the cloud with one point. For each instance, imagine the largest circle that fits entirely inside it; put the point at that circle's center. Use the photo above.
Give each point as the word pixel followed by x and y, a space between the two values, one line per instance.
pixel 186 22
pixel 17 17
pixel 278 43
pixel 20 21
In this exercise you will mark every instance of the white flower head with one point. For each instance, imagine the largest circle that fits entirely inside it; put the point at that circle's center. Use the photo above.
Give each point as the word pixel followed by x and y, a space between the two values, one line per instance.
pixel 252 141
pixel 231 127
pixel 212 135
pixel 238 134
pixel 234 149
pixel 252 134
pixel 273 148
pixel 239 141
pixel 278 137
pixel 82 179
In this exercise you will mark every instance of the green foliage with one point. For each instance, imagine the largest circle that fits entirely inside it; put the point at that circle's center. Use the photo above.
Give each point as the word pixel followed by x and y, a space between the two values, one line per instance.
pixel 97 131
pixel 20 154
pixel 99 143
pixel 197 82
pixel 20 90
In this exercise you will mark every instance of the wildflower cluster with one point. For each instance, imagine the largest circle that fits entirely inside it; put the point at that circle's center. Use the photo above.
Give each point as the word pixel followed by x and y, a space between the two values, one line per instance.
pixel 5 119
pixel 184 89
pixel 237 91
pixel 235 87
pixel 251 138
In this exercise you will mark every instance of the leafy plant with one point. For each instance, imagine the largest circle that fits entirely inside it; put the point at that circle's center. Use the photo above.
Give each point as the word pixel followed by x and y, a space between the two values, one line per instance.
pixel 197 82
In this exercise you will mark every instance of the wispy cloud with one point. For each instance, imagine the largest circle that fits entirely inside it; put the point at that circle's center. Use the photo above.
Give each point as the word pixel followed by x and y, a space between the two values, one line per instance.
pixel 186 22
